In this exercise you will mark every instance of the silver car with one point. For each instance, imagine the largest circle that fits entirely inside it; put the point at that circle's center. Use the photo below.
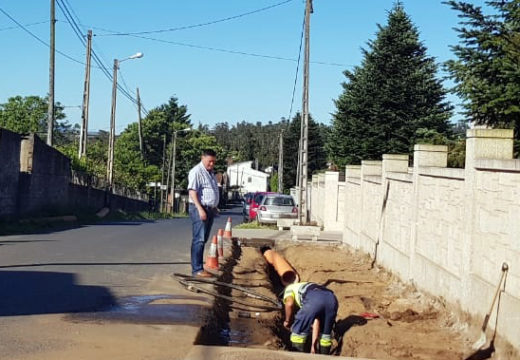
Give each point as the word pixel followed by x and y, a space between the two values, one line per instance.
pixel 276 206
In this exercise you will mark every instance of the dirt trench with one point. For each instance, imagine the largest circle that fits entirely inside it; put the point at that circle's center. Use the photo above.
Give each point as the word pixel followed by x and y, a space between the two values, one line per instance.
pixel 407 325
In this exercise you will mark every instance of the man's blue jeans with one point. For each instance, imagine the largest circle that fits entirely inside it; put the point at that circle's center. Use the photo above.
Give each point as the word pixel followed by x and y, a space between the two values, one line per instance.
pixel 201 230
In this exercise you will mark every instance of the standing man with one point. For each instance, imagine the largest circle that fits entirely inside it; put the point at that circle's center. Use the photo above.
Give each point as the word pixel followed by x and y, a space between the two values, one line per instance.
pixel 316 308
pixel 204 198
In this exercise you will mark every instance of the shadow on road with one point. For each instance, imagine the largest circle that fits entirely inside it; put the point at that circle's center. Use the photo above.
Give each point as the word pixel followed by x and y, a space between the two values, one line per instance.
pixel 92 264
pixel 32 292
pixel 14 242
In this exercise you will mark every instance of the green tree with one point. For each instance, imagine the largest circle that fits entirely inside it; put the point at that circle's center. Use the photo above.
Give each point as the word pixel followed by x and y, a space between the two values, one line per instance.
pixel 487 71
pixel 273 182
pixel 157 127
pixel 250 141
pixel 29 115
pixel 317 159
pixel 388 97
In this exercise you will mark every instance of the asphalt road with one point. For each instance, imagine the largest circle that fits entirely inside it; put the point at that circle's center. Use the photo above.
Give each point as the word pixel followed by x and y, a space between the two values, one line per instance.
pixel 89 267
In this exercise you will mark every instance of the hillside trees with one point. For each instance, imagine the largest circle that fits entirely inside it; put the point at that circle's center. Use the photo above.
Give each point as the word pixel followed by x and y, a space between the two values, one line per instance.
pixel 316 149
pixel 389 97
pixel 487 68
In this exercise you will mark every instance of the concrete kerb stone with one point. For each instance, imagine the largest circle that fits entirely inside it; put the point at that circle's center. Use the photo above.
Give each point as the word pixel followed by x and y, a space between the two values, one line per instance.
pixel 285 223
pixel 201 352
pixel 299 231
pixel 332 237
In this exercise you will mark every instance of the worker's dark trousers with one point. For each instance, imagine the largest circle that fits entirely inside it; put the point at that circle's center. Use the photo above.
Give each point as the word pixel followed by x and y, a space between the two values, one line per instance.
pixel 317 302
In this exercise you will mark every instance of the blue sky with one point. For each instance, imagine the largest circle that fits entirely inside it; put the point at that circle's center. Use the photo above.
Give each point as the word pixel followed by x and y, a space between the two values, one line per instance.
pixel 215 85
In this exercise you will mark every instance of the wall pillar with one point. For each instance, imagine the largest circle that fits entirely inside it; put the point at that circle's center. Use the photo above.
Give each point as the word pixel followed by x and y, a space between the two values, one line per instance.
pixel 352 213
pixel 331 200
pixel 488 144
pixel 424 155
pixel 480 144
pixel 395 163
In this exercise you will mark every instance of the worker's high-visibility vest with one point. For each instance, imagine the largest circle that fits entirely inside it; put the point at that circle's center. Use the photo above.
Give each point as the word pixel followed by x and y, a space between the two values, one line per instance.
pixel 296 291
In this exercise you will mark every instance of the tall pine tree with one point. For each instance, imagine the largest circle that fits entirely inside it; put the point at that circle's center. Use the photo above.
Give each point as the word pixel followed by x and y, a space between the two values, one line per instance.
pixel 487 71
pixel 391 95
pixel 317 159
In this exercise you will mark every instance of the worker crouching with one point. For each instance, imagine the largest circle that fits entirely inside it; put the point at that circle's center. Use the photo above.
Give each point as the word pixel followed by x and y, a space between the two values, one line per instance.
pixel 310 307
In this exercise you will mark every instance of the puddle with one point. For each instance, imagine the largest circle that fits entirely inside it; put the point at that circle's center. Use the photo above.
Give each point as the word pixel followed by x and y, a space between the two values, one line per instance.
pixel 152 309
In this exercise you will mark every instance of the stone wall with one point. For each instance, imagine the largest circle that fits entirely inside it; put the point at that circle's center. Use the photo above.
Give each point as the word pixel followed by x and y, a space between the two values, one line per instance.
pixel 448 231
pixel 44 177
pixel 9 172
pixel 35 180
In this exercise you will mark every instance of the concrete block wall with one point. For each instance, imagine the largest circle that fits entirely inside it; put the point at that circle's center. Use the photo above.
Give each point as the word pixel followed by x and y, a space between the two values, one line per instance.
pixel 35 180
pixel 45 176
pixel 352 206
pixel 448 231
pixel 395 229
pixel 9 172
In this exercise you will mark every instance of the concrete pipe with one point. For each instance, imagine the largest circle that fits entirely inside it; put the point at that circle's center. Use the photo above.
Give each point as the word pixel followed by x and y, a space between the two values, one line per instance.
pixel 286 272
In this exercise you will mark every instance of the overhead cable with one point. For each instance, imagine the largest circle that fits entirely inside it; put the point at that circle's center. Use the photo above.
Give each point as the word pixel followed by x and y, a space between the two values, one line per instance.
pixel 297 68
pixel 115 33
pixel 26 25
pixel 232 51
pixel 73 20
pixel 38 39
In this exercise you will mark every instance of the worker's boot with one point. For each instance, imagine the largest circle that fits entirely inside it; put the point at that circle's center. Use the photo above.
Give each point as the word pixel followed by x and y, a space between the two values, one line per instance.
pixel 324 350
pixel 298 342
pixel 325 344
pixel 300 347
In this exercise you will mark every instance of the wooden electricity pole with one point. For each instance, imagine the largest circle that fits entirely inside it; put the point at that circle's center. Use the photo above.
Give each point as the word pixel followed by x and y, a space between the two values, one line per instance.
pixel 139 125
pixel 280 164
pixel 162 172
pixel 50 110
pixel 112 137
pixel 304 158
pixel 86 96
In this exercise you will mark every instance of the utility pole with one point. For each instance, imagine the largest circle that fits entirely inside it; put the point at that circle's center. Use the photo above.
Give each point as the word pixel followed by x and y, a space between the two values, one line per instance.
pixel 162 171
pixel 302 208
pixel 50 111
pixel 174 153
pixel 280 164
pixel 111 140
pixel 86 96
pixel 139 124
pixel 168 170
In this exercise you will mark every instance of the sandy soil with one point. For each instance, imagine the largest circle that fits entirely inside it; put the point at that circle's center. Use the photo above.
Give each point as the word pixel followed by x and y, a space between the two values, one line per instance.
pixel 410 325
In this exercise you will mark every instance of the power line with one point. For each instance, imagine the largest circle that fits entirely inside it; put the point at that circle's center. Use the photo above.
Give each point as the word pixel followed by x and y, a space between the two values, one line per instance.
pixel 26 25
pixel 37 38
pixel 73 20
pixel 115 33
pixel 234 51
pixel 297 68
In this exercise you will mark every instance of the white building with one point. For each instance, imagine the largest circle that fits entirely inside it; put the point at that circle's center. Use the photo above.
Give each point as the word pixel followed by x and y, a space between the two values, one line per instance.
pixel 242 175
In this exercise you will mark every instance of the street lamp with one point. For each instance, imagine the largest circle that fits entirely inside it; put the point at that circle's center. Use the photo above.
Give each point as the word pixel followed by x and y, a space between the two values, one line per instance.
pixel 173 162
pixel 112 136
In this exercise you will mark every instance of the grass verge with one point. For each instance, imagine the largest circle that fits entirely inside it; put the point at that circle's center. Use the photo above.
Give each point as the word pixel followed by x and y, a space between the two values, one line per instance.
pixel 255 225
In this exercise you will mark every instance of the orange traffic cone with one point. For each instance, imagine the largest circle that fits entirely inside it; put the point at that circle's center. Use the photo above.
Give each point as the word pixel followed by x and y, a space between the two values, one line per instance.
pixel 227 231
pixel 220 242
pixel 212 259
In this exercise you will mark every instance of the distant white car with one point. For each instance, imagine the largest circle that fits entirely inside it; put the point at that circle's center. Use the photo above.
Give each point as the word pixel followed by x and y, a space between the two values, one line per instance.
pixel 276 206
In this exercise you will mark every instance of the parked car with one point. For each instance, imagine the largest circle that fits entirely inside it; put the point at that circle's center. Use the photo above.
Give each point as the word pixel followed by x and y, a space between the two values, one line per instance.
pixel 276 206
pixel 246 201
pixel 255 203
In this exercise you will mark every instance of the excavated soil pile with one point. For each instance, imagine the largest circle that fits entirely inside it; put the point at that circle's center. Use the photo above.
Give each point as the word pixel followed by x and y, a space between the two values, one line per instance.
pixel 409 324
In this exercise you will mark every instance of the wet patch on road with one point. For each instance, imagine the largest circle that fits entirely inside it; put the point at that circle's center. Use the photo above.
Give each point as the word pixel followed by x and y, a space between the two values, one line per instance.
pixel 151 309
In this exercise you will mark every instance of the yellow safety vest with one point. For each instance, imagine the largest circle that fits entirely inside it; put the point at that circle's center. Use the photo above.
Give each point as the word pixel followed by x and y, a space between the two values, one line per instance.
pixel 296 291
